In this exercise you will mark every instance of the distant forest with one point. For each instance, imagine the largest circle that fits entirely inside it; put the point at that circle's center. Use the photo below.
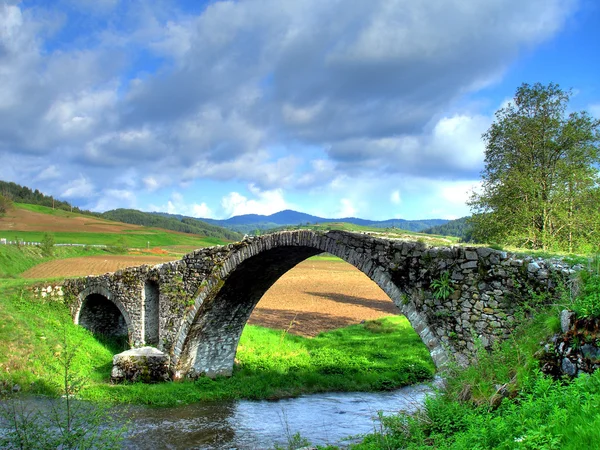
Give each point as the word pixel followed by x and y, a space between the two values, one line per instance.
pixel 459 228
pixel 23 194
pixel 185 225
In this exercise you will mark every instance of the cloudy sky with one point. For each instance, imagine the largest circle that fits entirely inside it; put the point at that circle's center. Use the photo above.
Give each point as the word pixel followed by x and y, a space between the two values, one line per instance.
pixel 367 108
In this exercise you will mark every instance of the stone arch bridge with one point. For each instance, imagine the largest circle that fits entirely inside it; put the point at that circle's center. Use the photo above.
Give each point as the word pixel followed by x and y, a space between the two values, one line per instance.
pixel 195 309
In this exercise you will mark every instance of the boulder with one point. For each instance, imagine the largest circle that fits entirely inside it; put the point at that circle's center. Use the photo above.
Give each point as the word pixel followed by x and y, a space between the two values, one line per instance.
pixel 145 364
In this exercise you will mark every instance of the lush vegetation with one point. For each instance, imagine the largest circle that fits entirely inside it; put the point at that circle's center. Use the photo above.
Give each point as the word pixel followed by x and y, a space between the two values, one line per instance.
pixel 123 238
pixel 34 200
pixel 376 355
pixel 22 194
pixel 503 401
pixel 5 205
pixel 185 225
pixel 460 228
pixel 541 185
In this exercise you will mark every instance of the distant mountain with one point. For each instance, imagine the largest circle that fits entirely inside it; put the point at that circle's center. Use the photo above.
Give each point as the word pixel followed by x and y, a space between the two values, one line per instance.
pixel 248 223
pixel 458 227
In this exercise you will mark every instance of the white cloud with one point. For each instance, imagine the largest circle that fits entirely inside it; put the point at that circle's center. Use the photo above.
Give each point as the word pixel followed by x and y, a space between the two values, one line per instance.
pixel 49 173
pixel 395 197
pixel 347 209
pixel 178 205
pixel 265 202
pixel 113 198
pixel 458 193
pixel 246 91
pixel 80 188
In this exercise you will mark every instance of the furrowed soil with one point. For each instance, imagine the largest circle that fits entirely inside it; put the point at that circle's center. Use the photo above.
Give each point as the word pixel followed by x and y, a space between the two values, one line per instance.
pixel 315 296
pixel 91 265
pixel 21 219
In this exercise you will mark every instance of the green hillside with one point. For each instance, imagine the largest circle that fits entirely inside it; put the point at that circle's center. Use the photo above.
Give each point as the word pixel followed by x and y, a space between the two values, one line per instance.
pixel 186 225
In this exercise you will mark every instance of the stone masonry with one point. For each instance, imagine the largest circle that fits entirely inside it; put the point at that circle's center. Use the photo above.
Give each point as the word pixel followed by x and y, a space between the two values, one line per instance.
pixel 195 309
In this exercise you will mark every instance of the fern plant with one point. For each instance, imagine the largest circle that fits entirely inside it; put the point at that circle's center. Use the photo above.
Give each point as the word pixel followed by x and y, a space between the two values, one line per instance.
pixel 442 287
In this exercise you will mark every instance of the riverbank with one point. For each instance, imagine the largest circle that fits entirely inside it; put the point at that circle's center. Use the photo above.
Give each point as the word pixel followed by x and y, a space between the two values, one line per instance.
pixel 377 355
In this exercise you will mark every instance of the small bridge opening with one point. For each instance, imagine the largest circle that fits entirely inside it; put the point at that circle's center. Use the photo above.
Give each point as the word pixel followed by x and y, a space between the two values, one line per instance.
pixel 101 316
pixel 151 313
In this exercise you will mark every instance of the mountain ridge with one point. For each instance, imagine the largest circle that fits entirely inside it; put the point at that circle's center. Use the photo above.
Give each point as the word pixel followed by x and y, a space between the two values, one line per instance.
pixel 247 223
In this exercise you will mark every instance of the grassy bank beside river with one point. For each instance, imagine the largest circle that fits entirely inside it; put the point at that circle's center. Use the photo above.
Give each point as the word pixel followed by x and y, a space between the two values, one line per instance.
pixel 377 355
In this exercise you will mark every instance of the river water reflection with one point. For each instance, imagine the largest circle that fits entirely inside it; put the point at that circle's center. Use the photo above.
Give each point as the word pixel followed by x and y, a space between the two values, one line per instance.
pixel 321 418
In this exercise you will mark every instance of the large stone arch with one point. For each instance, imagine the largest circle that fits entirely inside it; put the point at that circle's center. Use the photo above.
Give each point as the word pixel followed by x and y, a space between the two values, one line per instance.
pixel 97 307
pixel 207 341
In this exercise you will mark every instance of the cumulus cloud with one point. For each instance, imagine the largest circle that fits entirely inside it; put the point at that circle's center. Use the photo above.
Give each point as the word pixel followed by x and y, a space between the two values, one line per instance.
pixel 347 209
pixel 395 197
pixel 178 205
pixel 79 188
pixel 264 202
pixel 157 98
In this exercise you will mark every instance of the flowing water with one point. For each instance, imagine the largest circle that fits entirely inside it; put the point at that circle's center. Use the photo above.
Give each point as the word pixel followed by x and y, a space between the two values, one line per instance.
pixel 320 418
pixel 331 418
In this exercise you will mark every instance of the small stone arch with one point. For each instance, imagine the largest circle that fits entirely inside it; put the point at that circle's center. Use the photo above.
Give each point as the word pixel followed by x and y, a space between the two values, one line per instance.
pixel 99 313
pixel 151 297
pixel 207 342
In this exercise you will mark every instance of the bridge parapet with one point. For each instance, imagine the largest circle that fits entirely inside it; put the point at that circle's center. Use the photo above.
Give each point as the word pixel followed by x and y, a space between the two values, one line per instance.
pixel 205 299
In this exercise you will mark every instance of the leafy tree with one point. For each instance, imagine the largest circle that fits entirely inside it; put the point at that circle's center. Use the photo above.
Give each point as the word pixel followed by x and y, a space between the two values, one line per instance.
pixel 47 245
pixel 540 182
pixel 5 204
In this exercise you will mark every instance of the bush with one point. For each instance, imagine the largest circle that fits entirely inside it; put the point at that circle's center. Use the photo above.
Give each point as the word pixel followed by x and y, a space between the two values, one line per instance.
pixel 5 204
pixel 47 245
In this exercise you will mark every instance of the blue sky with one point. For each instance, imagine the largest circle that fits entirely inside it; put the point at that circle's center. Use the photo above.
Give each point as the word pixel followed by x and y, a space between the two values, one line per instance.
pixel 372 109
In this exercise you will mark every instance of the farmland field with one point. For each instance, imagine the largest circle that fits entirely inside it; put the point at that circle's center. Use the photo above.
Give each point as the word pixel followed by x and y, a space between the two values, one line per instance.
pixel 30 223
pixel 317 295
pixel 91 265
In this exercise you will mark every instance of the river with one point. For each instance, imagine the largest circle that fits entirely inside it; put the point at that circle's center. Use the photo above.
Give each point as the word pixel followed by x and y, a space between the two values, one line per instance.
pixel 321 418
pixel 326 418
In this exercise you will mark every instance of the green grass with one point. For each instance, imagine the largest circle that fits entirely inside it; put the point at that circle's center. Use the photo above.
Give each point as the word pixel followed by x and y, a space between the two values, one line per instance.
pixel 538 412
pixel 377 355
pixel 134 238
pixel 141 237
pixel 50 211
pixel 16 260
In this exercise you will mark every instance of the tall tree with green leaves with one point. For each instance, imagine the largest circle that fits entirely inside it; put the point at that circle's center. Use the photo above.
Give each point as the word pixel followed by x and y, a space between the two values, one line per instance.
pixel 541 177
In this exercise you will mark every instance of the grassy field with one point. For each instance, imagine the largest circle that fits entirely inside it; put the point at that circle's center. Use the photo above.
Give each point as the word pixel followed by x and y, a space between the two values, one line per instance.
pixel 29 223
pixel 381 354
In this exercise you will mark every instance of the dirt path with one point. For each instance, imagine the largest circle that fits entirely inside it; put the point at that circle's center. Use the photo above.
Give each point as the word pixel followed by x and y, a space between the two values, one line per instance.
pixel 314 296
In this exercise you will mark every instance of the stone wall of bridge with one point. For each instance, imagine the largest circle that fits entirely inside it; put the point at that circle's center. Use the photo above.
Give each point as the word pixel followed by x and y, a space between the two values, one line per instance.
pixel 195 309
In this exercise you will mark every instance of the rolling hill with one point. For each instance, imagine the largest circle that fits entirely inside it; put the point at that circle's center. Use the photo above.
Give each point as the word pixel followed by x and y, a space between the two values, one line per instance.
pixel 29 223
pixel 248 223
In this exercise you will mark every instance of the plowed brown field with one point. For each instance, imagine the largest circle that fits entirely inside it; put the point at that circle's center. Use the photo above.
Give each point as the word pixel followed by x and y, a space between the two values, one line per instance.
pixel 91 265
pixel 25 220
pixel 314 296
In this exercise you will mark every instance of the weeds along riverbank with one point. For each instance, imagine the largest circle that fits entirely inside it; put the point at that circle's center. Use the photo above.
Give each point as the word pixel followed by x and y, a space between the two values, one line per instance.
pixel 376 355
